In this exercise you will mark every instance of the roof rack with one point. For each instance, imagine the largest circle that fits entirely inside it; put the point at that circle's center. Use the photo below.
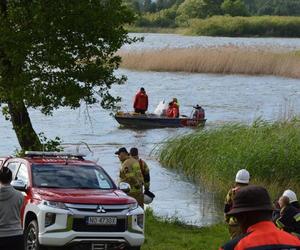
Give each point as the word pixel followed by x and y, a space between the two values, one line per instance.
pixel 54 154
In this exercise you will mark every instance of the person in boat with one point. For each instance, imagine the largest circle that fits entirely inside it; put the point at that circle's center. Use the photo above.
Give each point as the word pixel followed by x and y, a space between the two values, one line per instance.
pixel 175 105
pixel 199 113
pixel 140 104
pixel 172 111
pixel 242 179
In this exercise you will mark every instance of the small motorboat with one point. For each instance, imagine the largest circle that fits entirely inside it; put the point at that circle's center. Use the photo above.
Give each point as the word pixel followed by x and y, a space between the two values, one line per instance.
pixel 144 121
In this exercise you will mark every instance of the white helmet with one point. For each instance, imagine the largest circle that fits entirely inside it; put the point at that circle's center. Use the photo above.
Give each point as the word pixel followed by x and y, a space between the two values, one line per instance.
pixel 290 194
pixel 242 176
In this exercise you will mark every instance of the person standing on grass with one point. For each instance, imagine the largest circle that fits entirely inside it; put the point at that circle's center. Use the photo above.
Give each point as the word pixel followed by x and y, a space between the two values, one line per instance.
pixel 140 104
pixel 242 179
pixel 134 153
pixel 11 201
pixel 253 210
pixel 130 173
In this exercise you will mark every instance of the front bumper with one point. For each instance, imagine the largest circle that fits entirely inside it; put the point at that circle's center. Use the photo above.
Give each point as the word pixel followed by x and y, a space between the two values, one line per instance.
pixel 69 227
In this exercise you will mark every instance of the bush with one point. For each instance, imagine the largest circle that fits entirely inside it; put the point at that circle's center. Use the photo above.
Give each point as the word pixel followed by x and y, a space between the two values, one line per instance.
pixel 276 26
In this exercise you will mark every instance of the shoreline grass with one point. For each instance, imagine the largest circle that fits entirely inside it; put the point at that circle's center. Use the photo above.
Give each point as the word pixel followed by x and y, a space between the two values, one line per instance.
pixel 216 60
pixel 161 234
pixel 270 151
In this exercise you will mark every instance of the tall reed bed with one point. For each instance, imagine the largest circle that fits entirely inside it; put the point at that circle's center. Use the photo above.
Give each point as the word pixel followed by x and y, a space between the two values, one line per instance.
pixel 223 60
pixel 270 152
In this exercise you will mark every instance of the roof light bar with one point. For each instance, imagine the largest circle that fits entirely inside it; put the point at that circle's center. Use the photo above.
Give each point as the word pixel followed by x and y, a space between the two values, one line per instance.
pixel 53 154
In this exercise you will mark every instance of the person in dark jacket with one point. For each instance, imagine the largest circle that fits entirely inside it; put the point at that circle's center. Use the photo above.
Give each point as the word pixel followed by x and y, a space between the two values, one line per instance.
pixel 199 113
pixel 141 102
pixel 11 201
pixel 289 219
pixel 253 210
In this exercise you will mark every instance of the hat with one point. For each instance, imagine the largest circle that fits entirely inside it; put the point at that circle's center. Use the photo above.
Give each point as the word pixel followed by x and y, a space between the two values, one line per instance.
pixel 251 198
pixel 134 152
pixel 290 194
pixel 197 107
pixel 242 176
pixel 121 150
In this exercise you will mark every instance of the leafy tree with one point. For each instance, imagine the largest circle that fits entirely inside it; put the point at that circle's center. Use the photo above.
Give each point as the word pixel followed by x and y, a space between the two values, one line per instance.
pixel 234 8
pixel 199 8
pixel 58 53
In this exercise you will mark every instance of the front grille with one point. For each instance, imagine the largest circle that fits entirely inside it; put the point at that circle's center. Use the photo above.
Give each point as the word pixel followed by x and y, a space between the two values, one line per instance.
pixel 80 225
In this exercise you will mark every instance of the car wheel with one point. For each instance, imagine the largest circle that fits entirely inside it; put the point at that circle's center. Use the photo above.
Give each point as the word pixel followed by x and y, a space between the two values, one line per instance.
pixel 31 236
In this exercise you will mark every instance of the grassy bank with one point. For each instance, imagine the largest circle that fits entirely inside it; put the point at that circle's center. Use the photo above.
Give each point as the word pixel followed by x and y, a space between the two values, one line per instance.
pixel 167 235
pixel 271 152
pixel 223 60
pixel 263 26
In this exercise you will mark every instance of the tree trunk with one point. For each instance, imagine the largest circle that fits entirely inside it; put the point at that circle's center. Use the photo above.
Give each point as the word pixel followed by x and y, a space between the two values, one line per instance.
pixel 26 135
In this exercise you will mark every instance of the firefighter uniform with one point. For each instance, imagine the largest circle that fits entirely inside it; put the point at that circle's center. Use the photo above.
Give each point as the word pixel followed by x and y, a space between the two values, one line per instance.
pixel 130 172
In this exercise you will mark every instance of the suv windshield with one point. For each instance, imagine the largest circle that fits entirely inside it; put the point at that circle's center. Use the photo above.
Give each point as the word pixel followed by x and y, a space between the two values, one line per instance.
pixel 70 176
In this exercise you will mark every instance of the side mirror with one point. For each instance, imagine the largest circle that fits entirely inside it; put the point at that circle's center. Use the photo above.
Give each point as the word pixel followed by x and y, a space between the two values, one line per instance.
pixel 19 185
pixel 125 187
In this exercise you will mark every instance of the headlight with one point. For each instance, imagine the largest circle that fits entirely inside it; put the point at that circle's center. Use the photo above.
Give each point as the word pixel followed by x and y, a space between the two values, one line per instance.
pixel 55 204
pixel 133 206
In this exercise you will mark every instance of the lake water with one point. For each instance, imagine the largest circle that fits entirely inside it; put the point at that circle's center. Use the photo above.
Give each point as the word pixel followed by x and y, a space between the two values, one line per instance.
pixel 225 98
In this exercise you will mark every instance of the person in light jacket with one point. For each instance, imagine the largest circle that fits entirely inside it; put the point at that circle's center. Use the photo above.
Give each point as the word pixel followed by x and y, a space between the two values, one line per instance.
pixel 11 201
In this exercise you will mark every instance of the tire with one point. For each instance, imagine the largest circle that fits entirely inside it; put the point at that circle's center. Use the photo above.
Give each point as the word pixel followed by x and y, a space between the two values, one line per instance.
pixel 31 236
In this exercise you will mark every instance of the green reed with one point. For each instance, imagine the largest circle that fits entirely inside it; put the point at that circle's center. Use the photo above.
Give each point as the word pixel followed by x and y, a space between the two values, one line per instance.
pixel 269 151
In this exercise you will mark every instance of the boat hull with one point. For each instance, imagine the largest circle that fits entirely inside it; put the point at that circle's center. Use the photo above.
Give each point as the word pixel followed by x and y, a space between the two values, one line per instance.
pixel 145 121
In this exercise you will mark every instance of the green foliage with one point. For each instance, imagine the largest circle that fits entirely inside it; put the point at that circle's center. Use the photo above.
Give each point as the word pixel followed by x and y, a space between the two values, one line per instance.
pixel 275 26
pixel 50 144
pixel 270 151
pixel 164 18
pixel 175 236
pixel 234 8
pixel 59 53
pixel 278 7
pixel 198 9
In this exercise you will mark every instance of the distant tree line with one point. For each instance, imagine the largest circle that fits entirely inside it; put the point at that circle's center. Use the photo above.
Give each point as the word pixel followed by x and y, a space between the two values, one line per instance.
pixel 174 13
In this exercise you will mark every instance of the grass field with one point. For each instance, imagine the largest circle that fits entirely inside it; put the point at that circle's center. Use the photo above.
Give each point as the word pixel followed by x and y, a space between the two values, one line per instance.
pixel 171 235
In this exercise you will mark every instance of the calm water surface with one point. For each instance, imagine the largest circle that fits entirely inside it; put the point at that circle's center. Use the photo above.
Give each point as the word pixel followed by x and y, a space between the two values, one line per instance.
pixel 224 97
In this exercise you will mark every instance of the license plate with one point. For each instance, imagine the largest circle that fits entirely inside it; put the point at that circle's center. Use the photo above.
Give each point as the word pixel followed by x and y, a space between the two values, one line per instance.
pixel 101 221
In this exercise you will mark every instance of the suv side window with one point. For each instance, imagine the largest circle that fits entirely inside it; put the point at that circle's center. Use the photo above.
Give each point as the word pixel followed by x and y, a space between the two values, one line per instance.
pixel 23 174
pixel 13 166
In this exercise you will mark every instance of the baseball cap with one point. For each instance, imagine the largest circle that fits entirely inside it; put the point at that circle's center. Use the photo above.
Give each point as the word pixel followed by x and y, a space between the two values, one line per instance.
pixel 121 150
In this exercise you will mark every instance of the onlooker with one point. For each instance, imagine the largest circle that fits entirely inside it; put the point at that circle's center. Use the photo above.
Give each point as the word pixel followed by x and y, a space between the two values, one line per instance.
pixel 289 219
pixel 292 198
pixel 11 200
pixel 130 172
pixel 141 102
pixel 253 210
pixel 242 179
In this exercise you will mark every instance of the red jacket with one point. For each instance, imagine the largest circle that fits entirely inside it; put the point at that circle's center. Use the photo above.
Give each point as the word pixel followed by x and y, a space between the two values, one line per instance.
pixel 141 101
pixel 261 236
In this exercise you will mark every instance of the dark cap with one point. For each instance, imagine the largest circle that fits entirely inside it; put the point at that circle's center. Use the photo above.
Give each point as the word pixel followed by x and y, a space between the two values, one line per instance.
pixel 134 152
pixel 121 150
pixel 251 198
pixel 197 107
pixel 142 89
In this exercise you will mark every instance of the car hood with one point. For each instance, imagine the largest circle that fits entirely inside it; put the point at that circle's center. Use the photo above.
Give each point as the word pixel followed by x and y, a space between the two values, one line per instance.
pixel 82 196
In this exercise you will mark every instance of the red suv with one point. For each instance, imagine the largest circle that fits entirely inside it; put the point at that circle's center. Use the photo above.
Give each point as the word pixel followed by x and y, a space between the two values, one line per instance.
pixel 73 201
